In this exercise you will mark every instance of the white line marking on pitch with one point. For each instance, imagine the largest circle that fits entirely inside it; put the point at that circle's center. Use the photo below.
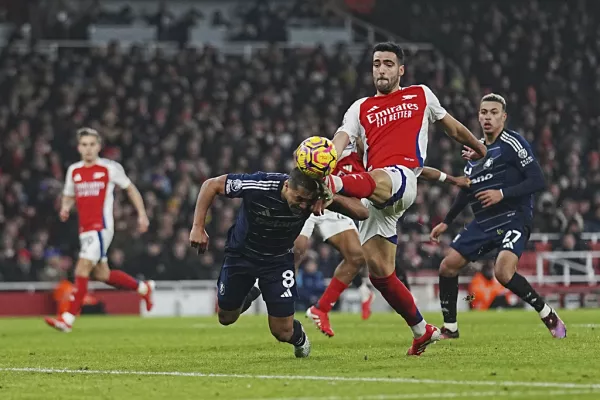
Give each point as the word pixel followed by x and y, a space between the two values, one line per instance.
pixel 587 325
pixel 559 385
pixel 446 395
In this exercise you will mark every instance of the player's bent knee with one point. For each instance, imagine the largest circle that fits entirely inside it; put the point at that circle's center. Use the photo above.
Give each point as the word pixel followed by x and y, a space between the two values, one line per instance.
pixel 282 328
pixel 228 317
pixel 101 272
pixel 282 333
pixel 378 266
pixel 356 259
pixel 506 266
pixel 84 267
pixel 452 264
pixel 447 269
pixel 383 186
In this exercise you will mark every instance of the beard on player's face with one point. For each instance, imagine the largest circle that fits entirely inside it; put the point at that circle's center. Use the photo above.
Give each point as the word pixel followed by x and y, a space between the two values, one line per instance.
pixel 386 84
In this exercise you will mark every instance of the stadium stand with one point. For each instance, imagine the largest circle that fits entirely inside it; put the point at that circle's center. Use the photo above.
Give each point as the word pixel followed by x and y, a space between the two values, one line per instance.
pixel 175 118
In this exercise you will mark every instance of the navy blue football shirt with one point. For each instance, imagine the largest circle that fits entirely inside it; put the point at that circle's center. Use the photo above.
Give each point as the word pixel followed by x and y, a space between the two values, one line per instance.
pixel 509 166
pixel 265 227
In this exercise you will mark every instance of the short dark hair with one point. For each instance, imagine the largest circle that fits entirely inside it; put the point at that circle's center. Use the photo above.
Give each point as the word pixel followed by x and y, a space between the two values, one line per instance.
pixel 392 48
pixel 85 131
pixel 298 180
pixel 496 98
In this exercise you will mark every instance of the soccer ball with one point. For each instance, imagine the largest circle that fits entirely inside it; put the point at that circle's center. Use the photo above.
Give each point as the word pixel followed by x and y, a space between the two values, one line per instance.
pixel 316 157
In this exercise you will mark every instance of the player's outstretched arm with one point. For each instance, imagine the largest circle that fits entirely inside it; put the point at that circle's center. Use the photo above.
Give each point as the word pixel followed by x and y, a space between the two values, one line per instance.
pixel 341 141
pixel 432 174
pixel 209 190
pixel 349 206
pixel 350 129
pixel 461 134
pixel 138 202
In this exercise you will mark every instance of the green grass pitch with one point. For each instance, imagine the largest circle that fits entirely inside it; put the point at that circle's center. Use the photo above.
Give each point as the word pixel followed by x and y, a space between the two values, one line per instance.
pixel 499 355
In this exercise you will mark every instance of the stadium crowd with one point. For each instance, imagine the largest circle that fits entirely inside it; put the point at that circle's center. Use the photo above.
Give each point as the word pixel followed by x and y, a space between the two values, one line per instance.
pixel 173 121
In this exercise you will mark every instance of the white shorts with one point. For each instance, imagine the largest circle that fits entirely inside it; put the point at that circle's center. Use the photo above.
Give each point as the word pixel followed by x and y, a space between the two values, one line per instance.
pixel 384 221
pixel 329 224
pixel 94 245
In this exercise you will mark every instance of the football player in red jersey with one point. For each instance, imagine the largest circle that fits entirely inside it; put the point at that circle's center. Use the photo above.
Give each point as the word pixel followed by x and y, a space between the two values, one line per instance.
pixel 340 232
pixel 89 185
pixel 392 126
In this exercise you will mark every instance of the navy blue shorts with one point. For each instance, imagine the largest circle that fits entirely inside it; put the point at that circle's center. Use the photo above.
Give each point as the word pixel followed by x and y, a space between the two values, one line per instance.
pixel 473 243
pixel 277 282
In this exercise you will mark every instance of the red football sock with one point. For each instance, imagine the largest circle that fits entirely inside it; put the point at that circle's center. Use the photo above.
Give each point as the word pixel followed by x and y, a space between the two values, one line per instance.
pixel 331 294
pixel 399 297
pixel 81 284
pixel 122 280
pixel 360 185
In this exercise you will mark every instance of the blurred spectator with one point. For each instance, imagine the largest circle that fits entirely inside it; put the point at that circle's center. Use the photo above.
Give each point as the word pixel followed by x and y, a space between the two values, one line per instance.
pixel 487 292
pixel 311 284
pixel 571 241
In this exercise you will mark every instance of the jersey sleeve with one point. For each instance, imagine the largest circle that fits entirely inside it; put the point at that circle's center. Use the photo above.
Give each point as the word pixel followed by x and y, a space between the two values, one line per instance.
pixel 521 156
pixel 238 185
pixel 69 189
pixel 435 111
pixel 351 121
pixel 520 153
pixel 118 175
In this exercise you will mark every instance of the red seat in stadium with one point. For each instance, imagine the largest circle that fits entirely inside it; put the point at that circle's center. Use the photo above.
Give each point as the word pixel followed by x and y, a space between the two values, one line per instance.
pixel 527 263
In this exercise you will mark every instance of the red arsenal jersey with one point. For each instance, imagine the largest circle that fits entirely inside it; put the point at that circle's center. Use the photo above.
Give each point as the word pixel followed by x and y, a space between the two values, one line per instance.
pixel 92 187
pixel 394 127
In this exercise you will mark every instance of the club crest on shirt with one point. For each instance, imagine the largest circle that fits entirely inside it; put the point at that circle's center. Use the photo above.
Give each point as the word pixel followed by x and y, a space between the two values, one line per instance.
pixel 233 185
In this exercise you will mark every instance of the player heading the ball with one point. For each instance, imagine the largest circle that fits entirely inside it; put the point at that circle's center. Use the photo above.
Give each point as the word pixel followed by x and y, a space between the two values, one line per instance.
pixel 259 244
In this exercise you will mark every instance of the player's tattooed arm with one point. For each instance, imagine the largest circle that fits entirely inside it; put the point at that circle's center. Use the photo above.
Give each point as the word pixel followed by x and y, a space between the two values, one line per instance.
pixel 209 190
pixel 461 134
pixel 349 206
pixel 432 174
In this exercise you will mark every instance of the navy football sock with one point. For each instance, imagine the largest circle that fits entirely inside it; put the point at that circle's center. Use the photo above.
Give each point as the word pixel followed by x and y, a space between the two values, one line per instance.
pixel 449 297
pixel 298 337
pixel 519 286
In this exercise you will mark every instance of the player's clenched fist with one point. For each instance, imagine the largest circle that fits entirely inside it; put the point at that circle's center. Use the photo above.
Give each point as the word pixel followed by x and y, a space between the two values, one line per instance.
pixel 199 239
pixel 463 182
pixel 64 214
pixel 438 231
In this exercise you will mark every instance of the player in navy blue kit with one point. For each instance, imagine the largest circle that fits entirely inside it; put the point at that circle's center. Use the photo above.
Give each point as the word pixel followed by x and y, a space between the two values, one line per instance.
pixel 260 242
pixel 501 197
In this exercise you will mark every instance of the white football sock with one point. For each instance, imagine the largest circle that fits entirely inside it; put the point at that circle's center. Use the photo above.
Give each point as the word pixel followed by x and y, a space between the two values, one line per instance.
pixel 419 329
pixel 68 318
pixel 451 326
pixel 142 288
pixel 545 311
pixel 364 291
